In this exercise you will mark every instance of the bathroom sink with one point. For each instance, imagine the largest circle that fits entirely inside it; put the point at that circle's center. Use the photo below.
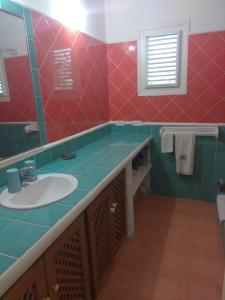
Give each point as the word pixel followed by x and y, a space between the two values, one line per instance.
pixel 47 189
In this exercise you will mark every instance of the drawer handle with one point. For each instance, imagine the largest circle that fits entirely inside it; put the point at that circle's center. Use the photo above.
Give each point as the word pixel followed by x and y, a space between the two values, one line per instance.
pixel 114 204
pixel 112 210
pixel 46 298
pixel 56 287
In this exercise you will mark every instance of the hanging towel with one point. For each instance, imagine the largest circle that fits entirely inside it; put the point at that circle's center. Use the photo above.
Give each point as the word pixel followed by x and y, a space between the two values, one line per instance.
pixel 185 153
pixel 220 200
pixel 166 142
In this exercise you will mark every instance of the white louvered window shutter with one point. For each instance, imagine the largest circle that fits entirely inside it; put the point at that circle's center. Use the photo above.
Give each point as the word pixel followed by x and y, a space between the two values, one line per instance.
pixel 162 60
pixel 4 93
pixel 1 87
pixel 63 77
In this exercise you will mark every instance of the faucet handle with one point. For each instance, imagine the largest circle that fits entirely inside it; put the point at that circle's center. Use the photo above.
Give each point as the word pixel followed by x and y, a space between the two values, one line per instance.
pixel 23 171
pixel 28 174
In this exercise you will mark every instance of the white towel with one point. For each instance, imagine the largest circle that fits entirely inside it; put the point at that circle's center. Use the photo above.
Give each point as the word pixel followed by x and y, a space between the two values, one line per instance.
pixel 185 153
pixel 220 200
pixel 167 142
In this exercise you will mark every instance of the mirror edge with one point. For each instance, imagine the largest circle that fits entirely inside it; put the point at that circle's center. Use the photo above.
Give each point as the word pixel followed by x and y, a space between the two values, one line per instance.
pixel 24 13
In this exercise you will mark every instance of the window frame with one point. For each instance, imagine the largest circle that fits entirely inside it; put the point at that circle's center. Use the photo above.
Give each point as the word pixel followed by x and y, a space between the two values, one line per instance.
pixel 143 89
pixel 4 97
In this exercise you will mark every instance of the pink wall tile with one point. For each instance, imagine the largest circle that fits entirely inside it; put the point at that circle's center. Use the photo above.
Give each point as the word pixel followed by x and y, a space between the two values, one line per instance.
pixel 21 107
pixel 205 99
pixel 85 104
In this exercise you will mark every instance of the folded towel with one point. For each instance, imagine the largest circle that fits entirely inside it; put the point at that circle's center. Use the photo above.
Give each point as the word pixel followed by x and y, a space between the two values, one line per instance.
pixel 185 153
pixel 167 142
pixel 220 201
pixel 30 128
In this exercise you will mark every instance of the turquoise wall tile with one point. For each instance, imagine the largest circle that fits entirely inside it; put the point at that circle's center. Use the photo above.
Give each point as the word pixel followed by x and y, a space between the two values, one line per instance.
pixel 209 167
pixel 205 165
pixel 36 84
pixel 43 158
pixel 71 146
pixel 155 132
pixel 166 190
pixel 220 150
pixel 28 23
pixel 144 129
pixel 206 150
pixel 220 166
pixel 20 164
pixel 57 151
pixel 205 194
pixel 3 176
pixel 14 140
pixel 12 8
pixel 32 53
pixel 188 192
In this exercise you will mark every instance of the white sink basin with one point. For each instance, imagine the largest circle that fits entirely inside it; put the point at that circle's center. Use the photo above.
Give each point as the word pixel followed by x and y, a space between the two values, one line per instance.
pixel 47 189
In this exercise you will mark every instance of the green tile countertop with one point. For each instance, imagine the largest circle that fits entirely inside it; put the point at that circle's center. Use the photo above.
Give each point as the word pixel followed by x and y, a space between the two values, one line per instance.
pixel 26 234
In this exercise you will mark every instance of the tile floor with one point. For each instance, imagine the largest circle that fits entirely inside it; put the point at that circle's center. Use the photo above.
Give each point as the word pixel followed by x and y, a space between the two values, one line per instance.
pixel 175 254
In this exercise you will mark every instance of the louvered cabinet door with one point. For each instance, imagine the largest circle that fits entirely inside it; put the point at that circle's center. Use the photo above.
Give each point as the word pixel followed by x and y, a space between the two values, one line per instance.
pixel 67 265
pixel 118 212
pixel 31 286
pixel 99 229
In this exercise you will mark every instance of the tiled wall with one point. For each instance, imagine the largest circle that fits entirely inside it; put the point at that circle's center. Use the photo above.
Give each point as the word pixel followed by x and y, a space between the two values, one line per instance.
pixel 21 107
pixel 209 168
pixel 56 152
pixel 14 140
pixel 83 105
pixel 205 99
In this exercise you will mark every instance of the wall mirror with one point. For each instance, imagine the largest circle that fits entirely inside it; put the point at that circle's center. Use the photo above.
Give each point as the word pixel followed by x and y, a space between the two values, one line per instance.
pixel 20 114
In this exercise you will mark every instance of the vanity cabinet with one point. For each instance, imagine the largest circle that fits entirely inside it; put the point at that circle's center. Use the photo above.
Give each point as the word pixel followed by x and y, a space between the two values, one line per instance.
pixel 67 266
pixel 76 265
pixel 106 224
pixel 32 285
pixel 62 272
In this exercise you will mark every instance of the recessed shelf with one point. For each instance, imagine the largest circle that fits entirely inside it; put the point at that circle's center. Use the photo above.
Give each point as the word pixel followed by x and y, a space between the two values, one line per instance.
pixel 138 177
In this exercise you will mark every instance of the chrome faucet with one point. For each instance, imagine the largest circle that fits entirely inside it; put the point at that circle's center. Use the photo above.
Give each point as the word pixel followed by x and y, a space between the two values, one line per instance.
pixel 27 174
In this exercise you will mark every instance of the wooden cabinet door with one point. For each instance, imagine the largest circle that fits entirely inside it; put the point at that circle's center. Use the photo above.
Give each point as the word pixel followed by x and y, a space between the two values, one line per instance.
pixel 118 212
pixel 31 286
pixel 99 229
pixel 67 265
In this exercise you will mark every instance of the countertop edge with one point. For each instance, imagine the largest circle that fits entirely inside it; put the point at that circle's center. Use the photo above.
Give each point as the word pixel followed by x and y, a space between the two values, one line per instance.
pixel 17 269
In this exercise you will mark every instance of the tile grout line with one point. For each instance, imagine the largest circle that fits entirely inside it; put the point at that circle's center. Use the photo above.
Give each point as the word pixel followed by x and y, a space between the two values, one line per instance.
pixel 9 256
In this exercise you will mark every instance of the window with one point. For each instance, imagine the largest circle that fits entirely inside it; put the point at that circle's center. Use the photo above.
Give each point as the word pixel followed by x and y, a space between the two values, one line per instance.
pixel 4 95
pixel 63 76
pixel 162 61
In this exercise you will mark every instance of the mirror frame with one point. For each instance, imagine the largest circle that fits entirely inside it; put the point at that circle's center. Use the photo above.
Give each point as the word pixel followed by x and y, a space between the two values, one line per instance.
pixel 25 14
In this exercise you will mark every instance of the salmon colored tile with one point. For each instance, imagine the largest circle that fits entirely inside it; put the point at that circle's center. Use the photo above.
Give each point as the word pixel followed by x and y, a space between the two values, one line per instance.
pixel 205 83
pixel 203 245
pixel 122 285
pixel 159 286
pixel 21 107
pixel 209 268
pixel 175 253
pixel 88 94
pixel 201 288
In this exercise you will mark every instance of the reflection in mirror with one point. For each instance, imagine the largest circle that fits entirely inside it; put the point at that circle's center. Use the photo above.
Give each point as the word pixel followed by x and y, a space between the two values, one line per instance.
pixel 18 121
